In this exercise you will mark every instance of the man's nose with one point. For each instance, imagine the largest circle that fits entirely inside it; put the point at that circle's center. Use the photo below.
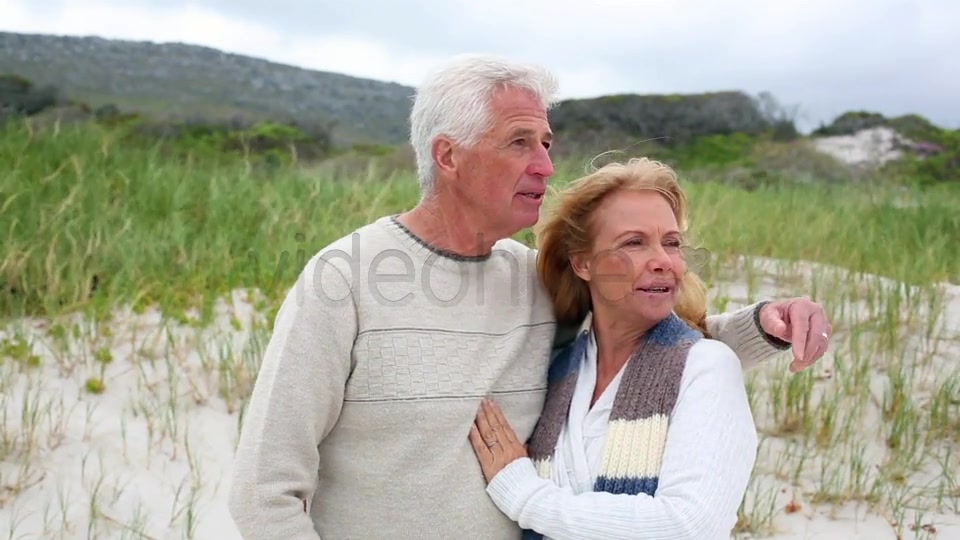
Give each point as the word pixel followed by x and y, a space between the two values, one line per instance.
pixel 541 165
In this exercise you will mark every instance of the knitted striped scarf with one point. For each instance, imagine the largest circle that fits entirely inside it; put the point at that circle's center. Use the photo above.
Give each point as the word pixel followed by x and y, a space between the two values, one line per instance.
pixel 637 431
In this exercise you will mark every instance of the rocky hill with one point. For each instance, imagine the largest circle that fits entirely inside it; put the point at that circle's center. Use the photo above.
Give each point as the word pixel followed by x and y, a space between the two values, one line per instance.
pixel 188 81
pixel 615 121
pixel 205 91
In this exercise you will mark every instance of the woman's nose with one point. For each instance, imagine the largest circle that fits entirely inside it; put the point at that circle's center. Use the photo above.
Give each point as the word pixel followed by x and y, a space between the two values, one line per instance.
pixel 659 259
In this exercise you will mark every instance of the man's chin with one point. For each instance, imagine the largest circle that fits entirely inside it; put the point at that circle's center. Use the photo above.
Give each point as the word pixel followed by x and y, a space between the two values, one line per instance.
pixel 528 218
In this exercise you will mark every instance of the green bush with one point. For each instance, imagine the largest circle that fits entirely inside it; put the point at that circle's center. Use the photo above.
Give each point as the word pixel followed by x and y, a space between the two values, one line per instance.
pixel 19 96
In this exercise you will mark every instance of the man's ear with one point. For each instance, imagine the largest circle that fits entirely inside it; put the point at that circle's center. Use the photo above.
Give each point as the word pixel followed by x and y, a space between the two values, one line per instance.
pixel 581 266
pixel 442 152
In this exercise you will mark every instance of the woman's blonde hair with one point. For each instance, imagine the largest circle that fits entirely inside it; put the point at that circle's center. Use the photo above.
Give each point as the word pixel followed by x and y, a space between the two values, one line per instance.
pixel 566 231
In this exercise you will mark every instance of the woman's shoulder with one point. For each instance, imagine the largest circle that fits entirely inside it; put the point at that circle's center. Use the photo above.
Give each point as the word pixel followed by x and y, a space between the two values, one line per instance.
pixel 713 380
pixel 713 357
pixel 711 348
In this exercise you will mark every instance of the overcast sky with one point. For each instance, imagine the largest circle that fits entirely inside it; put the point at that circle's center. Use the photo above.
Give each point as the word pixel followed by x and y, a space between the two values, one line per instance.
pixel 823 56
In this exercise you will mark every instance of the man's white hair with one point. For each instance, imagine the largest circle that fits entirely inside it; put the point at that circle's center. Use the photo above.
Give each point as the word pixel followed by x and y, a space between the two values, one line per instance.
pixel 454 101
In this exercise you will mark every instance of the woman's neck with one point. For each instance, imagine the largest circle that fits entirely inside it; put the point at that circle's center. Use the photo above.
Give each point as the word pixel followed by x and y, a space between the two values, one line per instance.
pixel 617 336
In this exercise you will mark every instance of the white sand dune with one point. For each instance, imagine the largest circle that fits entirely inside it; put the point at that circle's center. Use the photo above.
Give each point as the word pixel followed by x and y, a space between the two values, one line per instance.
pixel 151 456
pixel 153 452
pixel 914 512
pixel 874 146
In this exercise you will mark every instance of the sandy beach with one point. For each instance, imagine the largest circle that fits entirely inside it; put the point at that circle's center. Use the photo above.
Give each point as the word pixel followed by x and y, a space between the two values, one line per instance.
pixel 150 456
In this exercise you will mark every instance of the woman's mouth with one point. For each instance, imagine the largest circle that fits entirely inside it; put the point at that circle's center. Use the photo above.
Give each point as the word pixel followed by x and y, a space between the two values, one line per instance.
pixel 655 290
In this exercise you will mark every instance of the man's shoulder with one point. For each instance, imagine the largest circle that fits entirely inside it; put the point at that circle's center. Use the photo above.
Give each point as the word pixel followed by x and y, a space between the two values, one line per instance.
pixel 339 258
pixel 510 248
pixel 513 246
pixel 363 242
pixel 369 234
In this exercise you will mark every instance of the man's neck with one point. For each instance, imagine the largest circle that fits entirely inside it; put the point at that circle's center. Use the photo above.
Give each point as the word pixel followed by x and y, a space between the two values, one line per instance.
pixel 458 231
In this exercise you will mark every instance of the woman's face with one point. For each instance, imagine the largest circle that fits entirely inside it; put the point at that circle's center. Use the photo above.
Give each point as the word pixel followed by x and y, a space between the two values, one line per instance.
pixel 635 264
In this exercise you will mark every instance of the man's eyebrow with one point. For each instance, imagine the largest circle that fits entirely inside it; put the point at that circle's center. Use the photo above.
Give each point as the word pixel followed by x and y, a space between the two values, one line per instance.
pixel 516 132
pixel 527 132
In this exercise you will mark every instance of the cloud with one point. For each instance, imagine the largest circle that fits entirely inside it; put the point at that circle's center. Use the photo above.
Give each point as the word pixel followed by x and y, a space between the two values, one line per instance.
pixel 827 57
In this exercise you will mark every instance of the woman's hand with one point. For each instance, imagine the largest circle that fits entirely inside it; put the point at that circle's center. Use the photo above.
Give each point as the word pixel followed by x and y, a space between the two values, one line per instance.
pixel 494 441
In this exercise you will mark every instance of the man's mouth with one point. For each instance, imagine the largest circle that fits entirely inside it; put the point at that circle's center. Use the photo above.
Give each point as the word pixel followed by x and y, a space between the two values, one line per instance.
pixel 532 195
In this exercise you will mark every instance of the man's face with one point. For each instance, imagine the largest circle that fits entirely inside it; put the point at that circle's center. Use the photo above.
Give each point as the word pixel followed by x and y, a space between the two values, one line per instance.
pixel 504 176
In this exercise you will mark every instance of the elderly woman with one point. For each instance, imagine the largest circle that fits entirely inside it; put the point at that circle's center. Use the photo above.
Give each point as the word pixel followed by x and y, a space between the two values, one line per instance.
pixel 646 431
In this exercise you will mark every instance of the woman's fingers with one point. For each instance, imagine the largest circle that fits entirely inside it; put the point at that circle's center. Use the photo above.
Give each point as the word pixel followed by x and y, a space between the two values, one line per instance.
pixel 489 415
pixel 485 427
pixel 484 456
pixel 508 433
pixel 494 440
pixel 478 445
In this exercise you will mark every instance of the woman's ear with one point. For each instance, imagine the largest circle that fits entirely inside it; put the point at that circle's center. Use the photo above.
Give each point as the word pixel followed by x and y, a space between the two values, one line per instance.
pixel 581 266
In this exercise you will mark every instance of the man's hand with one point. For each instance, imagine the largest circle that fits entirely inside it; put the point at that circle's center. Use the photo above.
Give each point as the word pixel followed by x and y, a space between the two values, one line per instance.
pixel 802 323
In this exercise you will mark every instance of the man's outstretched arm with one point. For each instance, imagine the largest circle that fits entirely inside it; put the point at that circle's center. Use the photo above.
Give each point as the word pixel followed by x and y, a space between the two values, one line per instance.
pixel 741 331
pixel 296 400
pixel 760 331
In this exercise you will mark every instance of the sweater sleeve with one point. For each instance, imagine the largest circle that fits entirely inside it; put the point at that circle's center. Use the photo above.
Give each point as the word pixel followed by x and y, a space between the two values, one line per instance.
pixel 741 331
pixel 296 400
pixel 708 459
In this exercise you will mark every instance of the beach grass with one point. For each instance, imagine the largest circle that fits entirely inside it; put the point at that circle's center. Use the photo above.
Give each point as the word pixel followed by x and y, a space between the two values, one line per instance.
pixel 139 286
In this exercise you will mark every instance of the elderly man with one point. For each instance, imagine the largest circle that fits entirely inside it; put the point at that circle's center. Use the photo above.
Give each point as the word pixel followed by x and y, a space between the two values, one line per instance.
pixel 382 351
